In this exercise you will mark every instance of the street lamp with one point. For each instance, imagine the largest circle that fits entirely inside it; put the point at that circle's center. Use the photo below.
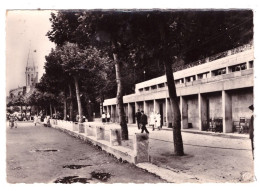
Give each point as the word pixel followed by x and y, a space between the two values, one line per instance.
pixel 144 75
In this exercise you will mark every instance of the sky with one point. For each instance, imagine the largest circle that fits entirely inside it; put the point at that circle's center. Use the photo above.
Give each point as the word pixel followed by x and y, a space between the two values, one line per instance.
pixel 25 31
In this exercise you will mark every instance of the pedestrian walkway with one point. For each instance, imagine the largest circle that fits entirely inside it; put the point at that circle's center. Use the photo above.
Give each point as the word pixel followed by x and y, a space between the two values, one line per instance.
pixel 209 156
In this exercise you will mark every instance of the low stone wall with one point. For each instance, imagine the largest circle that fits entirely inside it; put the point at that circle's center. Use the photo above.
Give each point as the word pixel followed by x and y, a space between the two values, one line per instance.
pixel 95 134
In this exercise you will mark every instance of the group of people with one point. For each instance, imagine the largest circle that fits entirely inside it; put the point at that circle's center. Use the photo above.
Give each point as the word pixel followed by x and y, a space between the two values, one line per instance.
pixel 105 117
pixel 142 120
pixel 37 119
pixel 12 121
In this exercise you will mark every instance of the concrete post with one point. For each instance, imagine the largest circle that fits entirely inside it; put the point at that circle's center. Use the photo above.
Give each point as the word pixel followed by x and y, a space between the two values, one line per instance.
pixel 184 113
pixel 75 127
pixel 227 112
pixel 81 128
pixel 115 137
pixel 100 133
pixel 141 147
pixel 89 130
pixel 202 104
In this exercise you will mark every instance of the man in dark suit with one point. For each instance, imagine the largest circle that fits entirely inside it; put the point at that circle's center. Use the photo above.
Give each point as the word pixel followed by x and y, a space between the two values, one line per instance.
pixel 144 122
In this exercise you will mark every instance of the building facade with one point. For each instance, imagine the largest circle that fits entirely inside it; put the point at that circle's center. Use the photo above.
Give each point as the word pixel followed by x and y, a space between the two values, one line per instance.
pixel 217 91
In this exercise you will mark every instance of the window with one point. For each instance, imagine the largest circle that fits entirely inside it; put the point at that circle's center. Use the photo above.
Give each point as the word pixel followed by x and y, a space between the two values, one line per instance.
pixel 219 72
pixel 251 64
pixel 237 67
pixel 161 85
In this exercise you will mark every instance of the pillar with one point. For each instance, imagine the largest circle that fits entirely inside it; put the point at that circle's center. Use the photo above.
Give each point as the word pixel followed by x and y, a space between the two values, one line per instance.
pixel 247 65
pixel 202 106
pixel 117 114
pixel 75 127
pixel 166 111
pixel 109 110
pixel 89 130
pixel 184 112
pixel 81 128
pixel 112 118
pixel 130 113
pixel 145 108
pixel 100 133
pixel 141 147
pixel 227 112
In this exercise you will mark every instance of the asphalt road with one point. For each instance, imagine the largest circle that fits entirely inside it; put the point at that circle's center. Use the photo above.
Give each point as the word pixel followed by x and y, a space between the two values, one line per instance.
pixel 44 155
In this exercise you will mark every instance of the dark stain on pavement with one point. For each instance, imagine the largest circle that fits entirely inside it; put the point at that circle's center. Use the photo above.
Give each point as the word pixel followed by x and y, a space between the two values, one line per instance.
pixel 71 179
pixel 75 166
pixel 103 176
pixel 45 150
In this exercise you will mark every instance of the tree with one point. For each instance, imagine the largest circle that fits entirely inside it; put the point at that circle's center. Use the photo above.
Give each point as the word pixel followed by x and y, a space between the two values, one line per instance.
pixel 81 63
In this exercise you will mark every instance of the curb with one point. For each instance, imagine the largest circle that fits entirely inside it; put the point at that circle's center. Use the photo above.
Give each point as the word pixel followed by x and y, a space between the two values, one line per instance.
pixel 164 173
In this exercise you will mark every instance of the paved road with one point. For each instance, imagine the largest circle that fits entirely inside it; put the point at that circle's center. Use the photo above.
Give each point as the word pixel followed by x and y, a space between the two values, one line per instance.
pixel 45 155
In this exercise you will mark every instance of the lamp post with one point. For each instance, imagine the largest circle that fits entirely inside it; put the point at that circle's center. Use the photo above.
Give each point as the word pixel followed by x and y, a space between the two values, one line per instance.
pixel 144 75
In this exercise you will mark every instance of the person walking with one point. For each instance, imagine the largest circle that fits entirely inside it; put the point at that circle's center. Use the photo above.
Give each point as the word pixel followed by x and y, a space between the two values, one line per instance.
pixel 138 118
pixel 152 120
pixel 251 129
pixel 35 119
pixel 158 120
pixel 144 122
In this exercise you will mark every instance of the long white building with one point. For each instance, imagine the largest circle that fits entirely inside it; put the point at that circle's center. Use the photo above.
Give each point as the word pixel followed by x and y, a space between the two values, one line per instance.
pixel 218 90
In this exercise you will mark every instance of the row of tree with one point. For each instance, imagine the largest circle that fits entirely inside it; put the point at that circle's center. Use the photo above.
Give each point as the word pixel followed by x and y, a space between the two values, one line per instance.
pixel 100 53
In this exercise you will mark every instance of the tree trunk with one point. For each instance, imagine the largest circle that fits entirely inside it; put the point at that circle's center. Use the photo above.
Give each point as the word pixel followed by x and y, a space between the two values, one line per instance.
pixel 177 138
pixel 65 109
pixel 55 111
pixel 89 110
pixel 71 103
pixel 119 96
pixel 50 111
pixel 76 80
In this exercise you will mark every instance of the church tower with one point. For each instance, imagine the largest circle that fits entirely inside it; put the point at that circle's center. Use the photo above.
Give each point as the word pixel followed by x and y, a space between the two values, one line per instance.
pixel 31 73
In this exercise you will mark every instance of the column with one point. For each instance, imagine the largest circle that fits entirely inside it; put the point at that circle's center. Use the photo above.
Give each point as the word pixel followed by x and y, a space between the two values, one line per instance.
pixel 130 112
pixel 247 65
pixel 117 114
pixel 227 112
pixel 202 104
pixel 184 113
pixel 227 70
pixel 112 114
pixel 156 106
pixel 166 111
pixel 145 108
